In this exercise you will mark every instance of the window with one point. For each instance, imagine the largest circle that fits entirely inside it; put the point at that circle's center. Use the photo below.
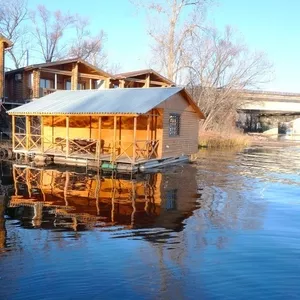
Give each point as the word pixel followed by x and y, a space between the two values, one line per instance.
pixel 171 200
pixel 80 85
pixel 67 85
pixel 174 124
pixel 45 83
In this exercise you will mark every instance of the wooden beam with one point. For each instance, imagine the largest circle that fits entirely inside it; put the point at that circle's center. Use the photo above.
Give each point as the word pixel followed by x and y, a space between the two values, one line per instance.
pixel 67 137
pixel 134 138
pixel 13 129
pixel 56 71
pixel 91 76
pixel 69 73
pixel 144 81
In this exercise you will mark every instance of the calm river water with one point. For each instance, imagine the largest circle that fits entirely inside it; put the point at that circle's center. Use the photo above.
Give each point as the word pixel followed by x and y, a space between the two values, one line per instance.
pixel 225 227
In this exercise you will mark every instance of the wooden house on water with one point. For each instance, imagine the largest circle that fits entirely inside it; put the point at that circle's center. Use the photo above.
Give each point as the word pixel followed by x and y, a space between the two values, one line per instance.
pixel 124 128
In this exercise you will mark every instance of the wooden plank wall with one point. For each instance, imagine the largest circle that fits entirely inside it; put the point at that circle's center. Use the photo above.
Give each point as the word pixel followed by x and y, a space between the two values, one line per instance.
pixel 187 142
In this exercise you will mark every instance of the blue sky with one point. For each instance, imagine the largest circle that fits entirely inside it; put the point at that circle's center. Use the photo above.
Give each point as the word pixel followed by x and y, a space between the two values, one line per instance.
pixel 272 26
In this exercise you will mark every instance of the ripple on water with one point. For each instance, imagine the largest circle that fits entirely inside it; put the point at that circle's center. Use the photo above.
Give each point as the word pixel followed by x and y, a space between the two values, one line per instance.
pixel 226 227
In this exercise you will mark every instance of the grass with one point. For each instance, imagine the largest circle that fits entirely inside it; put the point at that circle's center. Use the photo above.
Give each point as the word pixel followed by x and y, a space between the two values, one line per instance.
pixel 216 140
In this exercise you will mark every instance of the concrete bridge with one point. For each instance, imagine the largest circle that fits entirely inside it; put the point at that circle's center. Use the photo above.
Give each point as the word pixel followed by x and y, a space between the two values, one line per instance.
pixel 263 111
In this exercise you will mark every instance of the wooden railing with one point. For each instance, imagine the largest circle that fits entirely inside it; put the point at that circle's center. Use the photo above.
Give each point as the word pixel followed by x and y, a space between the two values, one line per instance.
pixel 88 148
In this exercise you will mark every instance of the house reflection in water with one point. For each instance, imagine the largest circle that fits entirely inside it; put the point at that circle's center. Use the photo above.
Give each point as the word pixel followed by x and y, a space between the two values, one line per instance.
pixel 76 201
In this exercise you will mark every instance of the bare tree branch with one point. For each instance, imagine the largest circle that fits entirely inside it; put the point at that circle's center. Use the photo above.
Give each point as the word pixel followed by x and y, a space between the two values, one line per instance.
pixel 220 68
pixel 86 46
pixel 13 15
pixel 170 33
pixel 49 29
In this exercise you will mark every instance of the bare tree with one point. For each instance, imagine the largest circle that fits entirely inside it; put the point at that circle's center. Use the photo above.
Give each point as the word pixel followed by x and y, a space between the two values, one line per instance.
pixel 86 46
pixel 171 25
pixel 221 66
pixel 49 29
pixel 13 15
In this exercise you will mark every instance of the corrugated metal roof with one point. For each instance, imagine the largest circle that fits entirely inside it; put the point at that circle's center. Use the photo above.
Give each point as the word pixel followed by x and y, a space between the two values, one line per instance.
pixel 109 101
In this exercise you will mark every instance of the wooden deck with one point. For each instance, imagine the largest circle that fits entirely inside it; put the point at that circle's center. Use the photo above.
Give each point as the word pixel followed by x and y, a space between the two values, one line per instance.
pixel 122 163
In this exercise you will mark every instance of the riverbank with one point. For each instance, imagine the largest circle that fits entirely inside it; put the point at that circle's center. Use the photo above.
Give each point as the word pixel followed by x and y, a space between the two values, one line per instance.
pixel 219 140
pixel 222 140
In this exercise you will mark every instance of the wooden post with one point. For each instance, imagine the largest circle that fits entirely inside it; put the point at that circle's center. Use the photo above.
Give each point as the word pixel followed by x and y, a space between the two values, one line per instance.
pixel 107 83
pixel 67 137
pixel 90 83
pixel 134 138
pixel 99 138
pixel 27 124
pixel 55 81
pixel 147 82
pixel 13 130
pixel 42 134
pixel 115 136
pixel 52 138
pixel 90 127
pixel 74 78
pixel 36 84
pixel 122 83
pixel 148 127
pixel 148 135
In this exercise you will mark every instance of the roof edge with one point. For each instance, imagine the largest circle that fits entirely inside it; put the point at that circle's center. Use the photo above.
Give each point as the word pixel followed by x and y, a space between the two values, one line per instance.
pixel 192 103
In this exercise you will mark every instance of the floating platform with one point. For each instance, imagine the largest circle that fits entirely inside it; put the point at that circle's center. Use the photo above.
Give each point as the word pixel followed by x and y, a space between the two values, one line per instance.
pixel 121 164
